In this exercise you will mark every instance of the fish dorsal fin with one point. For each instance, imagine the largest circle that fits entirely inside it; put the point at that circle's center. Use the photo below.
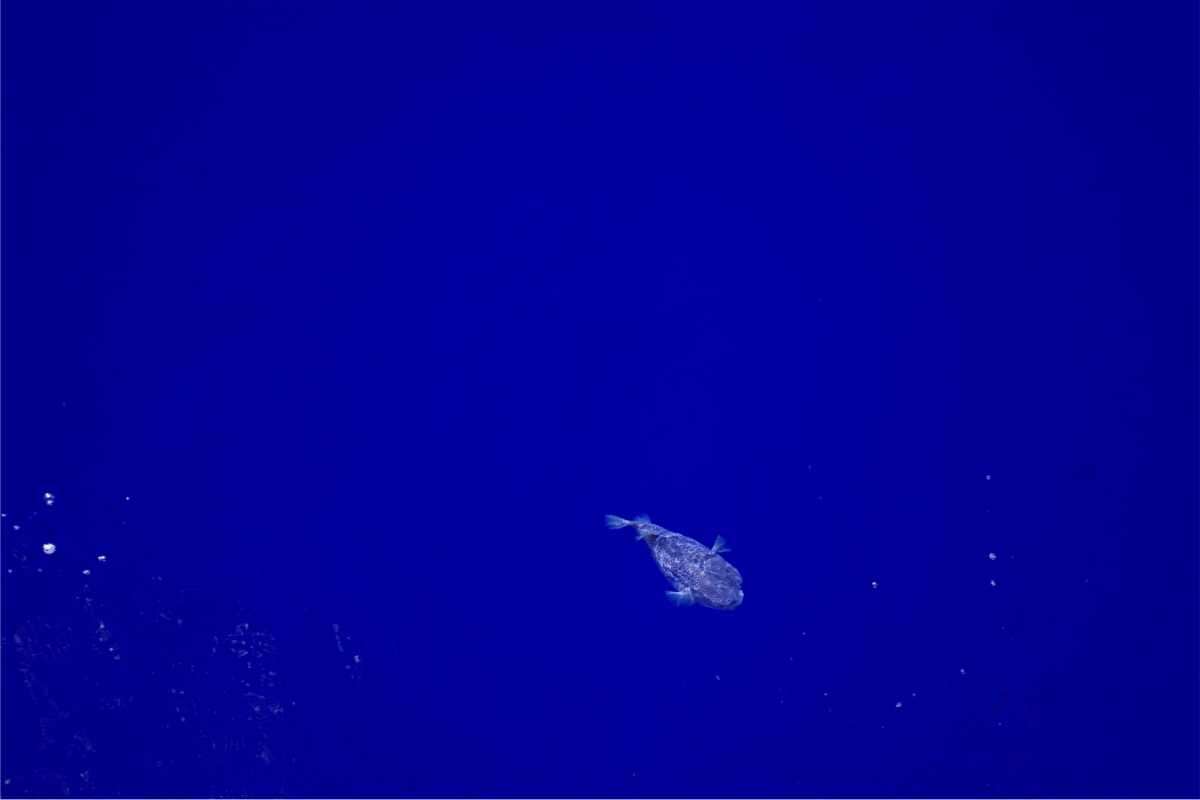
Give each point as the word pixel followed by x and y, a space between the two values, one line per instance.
pixel 719 545
pixel 642 518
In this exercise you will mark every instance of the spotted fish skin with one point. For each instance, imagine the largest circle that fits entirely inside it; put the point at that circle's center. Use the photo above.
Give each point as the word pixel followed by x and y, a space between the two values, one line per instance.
pixel 698 573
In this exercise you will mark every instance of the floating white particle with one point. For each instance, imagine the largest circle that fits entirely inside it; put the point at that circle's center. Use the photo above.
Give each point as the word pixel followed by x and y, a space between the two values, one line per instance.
pixel 993 583
pixel 87 572
pixel 898 704
pixel 991 556
pixel 987 477
pixel 126 497
pixel 48 548
pixel 49 499
pixel 16 527
pixel 962 672
pixel 101 558
pixel 874 585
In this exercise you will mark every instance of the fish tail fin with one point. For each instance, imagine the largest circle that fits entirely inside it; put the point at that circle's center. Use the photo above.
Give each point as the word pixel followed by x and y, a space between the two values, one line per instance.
pixel 614 522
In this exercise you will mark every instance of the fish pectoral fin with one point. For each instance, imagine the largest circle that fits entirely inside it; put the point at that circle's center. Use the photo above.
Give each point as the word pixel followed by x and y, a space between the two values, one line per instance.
pixel 683 598
pixel 719 545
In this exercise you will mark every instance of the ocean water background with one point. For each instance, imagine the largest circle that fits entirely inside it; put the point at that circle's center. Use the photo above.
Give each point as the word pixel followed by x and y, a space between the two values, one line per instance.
pixel 335 329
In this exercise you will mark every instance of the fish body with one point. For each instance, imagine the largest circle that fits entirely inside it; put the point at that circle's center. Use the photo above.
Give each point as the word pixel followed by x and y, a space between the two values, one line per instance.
pixel 698 573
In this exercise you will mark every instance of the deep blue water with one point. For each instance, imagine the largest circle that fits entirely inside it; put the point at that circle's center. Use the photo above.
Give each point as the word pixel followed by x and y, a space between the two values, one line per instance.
pixel 337 329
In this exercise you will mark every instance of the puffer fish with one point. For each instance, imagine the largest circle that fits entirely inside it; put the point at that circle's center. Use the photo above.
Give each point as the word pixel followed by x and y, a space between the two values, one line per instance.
pixel 698 573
